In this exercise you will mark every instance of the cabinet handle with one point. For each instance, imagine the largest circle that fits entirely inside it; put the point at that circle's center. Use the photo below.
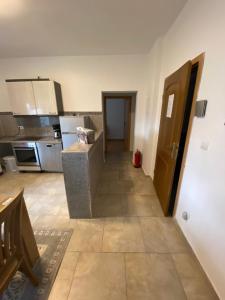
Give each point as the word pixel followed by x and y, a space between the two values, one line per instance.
pixel 48 145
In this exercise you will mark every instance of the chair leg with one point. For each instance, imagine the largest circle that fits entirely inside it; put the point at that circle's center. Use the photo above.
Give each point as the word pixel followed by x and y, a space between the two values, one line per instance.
pixel 27 270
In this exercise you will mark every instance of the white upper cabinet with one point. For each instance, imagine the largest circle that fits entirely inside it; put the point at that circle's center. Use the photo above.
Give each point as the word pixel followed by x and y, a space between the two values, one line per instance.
pixel 45 97
pixel 35 97
pixel 21 96
pixel 5 105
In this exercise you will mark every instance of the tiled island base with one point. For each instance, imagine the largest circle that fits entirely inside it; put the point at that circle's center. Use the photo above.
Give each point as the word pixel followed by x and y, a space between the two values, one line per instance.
pixel 82 166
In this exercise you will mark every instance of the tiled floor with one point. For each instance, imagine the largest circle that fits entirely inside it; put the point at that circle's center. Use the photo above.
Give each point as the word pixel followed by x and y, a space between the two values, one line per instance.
pixel 128 252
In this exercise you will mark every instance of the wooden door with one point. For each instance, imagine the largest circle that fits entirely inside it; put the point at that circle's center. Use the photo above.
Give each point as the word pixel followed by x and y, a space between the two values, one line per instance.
pixel 172 116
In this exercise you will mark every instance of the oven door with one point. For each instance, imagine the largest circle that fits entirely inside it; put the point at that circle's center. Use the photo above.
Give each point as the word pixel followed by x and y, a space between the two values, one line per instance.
pixel 26 156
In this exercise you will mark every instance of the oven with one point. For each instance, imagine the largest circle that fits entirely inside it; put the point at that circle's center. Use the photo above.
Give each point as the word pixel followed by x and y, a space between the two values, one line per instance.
pixel 26 155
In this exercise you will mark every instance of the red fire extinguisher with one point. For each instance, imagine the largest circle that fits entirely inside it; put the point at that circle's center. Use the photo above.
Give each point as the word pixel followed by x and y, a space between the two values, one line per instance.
pixel 137 159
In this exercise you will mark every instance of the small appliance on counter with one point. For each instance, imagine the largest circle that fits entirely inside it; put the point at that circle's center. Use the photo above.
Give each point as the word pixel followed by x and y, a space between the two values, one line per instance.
pixel 57 131
pixel 85 136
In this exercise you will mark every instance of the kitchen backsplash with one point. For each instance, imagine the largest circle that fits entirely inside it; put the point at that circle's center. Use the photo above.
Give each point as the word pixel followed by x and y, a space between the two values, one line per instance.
pixel 8 125
pixel 37 126
pixel 96 118
pixel 40 126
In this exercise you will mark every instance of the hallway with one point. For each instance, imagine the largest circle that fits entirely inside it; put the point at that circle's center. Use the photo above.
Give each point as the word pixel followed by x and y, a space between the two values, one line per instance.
pixel 129 251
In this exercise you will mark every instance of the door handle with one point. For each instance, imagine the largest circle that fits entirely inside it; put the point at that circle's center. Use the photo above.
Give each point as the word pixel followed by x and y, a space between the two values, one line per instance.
pixel 174 151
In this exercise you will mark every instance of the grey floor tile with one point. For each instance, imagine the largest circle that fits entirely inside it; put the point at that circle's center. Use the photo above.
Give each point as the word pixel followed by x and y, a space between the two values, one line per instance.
pixel 87 235
pixel 99 276
pixel 161 235
pixel 175 239
pixel 140 205
pixel 194 280
pixel 153 235
pixel 64 277
pixel 136 225
pixel 122 235
pixel 107 205
pixel 152 276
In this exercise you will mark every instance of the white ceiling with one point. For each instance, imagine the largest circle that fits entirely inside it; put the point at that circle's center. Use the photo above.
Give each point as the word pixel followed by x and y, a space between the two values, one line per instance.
pixel 83 27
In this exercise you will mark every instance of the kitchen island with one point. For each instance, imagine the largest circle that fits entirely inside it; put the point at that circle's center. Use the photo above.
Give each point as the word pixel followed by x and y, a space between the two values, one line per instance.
pixel 82 165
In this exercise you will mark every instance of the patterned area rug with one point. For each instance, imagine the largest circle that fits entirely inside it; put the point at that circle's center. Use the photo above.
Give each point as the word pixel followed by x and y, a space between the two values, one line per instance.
pixel 52 245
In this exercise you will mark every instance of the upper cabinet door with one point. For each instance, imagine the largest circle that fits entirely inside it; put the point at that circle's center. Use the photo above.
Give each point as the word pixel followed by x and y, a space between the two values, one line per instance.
pixel 22 98
pixel 45 97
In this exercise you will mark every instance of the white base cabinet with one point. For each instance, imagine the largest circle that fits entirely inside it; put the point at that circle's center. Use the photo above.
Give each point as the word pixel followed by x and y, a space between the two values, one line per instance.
pixel 50 156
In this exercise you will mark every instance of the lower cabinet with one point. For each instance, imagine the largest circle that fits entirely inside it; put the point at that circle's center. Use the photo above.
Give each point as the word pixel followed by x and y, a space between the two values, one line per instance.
pixel 50 156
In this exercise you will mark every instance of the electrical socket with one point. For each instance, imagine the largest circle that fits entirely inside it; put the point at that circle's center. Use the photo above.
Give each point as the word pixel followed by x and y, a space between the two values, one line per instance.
pixel 185 215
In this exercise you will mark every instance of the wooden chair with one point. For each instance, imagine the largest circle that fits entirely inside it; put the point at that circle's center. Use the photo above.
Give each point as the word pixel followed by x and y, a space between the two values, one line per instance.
pixel 12 255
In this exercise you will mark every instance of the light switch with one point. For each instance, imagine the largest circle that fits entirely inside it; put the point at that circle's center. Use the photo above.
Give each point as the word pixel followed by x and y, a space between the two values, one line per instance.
pixel 204 146
pixel 200 109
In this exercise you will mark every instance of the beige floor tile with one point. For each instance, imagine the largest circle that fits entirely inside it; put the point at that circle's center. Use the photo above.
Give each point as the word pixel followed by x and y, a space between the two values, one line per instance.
pixel 99 276
pixel 194 280
pixel 144 186
pixel 153 235
pixel 162 236
pixel 64 277
pixel 60 290
pixel 68 265
pixel 152 276
pixel 127 192
pixel 122 235
pixel 175 239
pixel 87 235
pixel 140 205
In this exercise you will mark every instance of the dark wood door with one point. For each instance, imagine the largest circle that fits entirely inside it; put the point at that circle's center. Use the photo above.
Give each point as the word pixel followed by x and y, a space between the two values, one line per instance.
pixel 172 116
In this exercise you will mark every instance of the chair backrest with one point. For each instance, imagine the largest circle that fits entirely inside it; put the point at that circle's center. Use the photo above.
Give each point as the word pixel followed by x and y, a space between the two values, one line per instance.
pixel 10 232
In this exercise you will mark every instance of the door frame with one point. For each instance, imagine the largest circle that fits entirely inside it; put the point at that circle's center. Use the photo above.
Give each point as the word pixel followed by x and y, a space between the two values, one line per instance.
pixel 116 96
pixel 200 61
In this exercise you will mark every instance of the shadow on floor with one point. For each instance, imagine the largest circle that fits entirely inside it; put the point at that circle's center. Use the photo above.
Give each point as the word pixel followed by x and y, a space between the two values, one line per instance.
pixel 124 190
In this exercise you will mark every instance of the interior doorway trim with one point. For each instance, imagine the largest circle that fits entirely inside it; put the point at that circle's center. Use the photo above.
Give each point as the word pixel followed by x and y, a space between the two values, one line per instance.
pixel 131 97
pixel 200 61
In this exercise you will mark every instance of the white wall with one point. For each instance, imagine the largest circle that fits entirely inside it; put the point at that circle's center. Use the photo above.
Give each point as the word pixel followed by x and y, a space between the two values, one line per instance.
pixel 115 116
pixel 200 28
pixel 153 108
pixel 83 78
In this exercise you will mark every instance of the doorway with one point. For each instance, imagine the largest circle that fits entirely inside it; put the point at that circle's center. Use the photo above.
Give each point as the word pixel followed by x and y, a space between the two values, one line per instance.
pixel 178 110
pixel 118 122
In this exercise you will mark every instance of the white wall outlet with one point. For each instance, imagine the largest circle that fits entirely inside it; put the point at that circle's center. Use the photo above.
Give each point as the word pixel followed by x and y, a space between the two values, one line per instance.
pixel 205 146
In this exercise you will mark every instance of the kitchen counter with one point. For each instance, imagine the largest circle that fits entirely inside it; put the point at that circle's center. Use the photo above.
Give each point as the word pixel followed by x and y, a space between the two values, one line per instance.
pixel 82 166
pixel 49 139
pixel 8 139
pixel 17 138
pixel 82 148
